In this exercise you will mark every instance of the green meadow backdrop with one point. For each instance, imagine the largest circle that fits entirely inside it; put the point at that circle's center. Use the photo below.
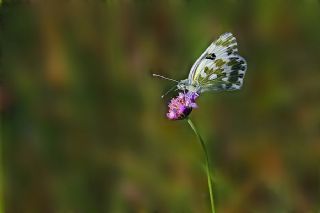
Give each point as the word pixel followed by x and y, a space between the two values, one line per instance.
pixel 83 127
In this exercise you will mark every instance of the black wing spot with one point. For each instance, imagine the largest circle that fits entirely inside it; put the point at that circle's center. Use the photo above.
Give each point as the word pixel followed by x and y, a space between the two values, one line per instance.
pixel 211 56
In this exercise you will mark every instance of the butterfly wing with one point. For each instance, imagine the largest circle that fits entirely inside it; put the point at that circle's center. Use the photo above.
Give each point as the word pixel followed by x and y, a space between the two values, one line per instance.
pixel 219 67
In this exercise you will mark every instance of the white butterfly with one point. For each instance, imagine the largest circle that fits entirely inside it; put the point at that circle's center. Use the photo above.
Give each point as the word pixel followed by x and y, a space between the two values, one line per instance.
pixel 220 67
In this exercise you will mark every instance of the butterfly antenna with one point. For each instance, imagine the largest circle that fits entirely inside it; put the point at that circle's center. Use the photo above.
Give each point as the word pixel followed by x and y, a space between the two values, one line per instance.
pixel 162 96
pixel 160 76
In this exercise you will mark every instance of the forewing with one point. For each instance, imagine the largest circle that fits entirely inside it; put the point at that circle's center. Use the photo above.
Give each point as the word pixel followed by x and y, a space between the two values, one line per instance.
pixel 219 67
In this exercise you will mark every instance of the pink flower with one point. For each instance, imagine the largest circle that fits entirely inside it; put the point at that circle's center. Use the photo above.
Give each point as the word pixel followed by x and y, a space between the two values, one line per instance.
pixel 181 106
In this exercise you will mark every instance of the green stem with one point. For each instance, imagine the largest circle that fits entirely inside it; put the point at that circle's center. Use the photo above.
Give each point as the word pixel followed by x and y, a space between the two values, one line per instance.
pixel 204 148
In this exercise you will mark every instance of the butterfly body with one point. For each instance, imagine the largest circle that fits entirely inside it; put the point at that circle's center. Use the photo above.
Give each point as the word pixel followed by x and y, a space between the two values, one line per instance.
pixel 219 68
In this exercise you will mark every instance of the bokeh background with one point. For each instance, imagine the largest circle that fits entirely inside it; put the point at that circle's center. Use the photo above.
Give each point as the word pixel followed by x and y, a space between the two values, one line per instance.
pixel 84 128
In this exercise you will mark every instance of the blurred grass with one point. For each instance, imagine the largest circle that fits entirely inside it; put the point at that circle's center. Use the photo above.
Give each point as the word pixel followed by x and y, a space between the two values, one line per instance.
pixel 84 125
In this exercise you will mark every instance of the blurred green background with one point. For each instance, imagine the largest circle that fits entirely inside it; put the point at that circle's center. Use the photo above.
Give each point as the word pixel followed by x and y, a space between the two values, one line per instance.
pixel 84 128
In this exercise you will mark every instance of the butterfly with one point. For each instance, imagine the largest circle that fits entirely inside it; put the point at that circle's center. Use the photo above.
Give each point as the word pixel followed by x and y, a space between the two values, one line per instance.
pixel 219 68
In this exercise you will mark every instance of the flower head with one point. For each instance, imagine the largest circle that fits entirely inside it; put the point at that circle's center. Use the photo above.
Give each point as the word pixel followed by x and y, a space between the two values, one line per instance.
pixel 181 106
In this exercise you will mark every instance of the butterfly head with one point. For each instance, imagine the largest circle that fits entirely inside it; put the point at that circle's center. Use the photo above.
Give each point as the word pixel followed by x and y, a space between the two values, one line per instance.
pixel 186 85
pixel 183 85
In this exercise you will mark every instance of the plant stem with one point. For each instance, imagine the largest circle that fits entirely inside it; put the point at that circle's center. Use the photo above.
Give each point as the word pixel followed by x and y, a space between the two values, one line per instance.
pixel 204 148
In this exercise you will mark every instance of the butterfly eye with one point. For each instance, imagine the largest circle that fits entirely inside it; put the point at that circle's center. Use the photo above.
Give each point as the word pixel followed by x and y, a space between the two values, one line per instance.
pixel 211 56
